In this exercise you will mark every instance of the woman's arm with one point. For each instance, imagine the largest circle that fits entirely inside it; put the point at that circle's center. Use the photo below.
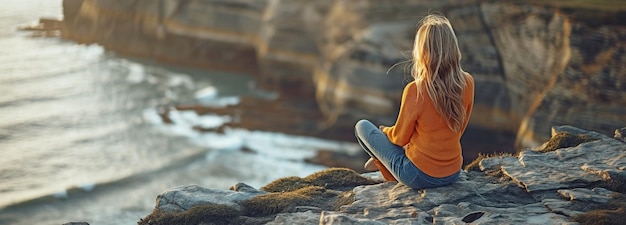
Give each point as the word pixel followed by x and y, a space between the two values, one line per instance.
pixel 400 133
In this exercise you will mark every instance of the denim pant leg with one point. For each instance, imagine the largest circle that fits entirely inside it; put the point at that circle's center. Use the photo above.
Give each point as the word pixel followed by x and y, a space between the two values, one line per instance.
pixel 378 146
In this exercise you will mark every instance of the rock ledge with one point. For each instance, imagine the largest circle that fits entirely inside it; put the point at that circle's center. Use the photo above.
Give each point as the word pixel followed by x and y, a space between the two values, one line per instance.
pixel 536 187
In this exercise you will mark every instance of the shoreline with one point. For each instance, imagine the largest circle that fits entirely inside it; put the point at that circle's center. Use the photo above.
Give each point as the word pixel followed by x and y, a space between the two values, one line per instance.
pixel 302 119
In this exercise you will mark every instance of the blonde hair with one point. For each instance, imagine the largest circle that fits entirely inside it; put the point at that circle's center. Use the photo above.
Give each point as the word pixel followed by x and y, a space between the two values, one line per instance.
pixel 437 69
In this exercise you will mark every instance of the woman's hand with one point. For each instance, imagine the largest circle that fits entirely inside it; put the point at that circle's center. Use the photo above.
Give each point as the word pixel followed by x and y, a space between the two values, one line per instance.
pixel 381 127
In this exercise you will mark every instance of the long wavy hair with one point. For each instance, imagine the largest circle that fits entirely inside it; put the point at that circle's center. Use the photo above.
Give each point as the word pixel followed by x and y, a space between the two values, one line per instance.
pixel 437 69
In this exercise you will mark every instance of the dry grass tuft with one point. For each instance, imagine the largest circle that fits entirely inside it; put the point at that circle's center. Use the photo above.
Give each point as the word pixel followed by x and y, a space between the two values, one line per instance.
pixel 565 140
pixel 338 178
pixel 202 214
pixel 273 203
pixel 474 165
pixel 328 189
pixel 333 178
pixel 286 184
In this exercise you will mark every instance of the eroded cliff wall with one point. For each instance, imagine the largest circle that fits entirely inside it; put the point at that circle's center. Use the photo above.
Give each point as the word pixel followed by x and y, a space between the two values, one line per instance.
pixel 535 66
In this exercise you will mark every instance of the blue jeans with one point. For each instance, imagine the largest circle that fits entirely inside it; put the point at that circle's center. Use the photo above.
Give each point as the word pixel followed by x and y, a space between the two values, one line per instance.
pixel 378 146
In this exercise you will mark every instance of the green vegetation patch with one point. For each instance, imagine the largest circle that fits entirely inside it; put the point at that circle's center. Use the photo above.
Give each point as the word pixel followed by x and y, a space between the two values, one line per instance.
pixel 345 198
pixel 286 184
pixel 333 178
pixel 202 214
pixel 337 178
pixel 273 203
pixel 565 140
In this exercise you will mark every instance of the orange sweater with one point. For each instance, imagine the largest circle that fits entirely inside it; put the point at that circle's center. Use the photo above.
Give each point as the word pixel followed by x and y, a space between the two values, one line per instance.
pixel 432 146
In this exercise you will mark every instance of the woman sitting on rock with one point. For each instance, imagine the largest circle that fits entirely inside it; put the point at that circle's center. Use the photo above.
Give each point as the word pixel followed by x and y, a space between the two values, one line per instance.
pixel 423 149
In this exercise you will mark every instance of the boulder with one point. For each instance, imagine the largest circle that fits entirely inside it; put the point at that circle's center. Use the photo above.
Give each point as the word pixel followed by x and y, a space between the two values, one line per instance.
pixel 185 197
pixel 620 134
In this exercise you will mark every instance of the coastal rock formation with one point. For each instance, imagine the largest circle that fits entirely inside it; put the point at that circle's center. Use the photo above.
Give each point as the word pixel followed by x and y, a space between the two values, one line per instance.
pixel 536 65
pixel 561 186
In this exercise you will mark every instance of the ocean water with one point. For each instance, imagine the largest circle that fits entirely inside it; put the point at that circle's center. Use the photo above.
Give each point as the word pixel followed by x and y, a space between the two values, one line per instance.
pixel 81 140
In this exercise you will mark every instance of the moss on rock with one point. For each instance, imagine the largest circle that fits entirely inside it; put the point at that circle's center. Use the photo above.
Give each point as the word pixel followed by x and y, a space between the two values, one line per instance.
pixel 326 189
pixel 333 178
pixel 202 214
pixel 286 184
pixel 345 198
pixel 273 203
pixel 338 178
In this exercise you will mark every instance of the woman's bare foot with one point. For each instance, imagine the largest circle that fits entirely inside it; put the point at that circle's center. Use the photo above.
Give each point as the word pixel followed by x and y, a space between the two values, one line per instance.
pixel 370 165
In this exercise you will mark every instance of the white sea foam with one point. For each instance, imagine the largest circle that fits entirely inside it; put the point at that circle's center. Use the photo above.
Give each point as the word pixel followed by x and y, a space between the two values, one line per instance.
pixel 286 141
pixel 152 116
pixel 171 95
pixel 61 194
pixel 220 141
pixel 183 118
pixel 185 122
pixel 191 119
pixel 88 187
pixel 212 121
pixel 253 168
pixel 269 144
pixel 220 101
pixel 227 101
pixel 136 73
pixel 249 165
pixel 177 80
pixel 207 92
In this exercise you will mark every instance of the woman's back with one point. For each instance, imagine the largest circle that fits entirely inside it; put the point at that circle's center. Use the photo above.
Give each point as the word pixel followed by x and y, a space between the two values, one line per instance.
pixel 434 147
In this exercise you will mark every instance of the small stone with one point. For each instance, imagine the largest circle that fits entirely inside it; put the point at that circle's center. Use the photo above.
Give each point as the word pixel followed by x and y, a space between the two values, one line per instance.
pixel 620 134
pixel 242 187
pixel 308 217
pixel 599 195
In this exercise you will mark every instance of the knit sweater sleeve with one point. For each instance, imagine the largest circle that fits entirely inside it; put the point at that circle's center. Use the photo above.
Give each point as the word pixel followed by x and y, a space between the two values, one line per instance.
pixel 469 99
pixel 400 133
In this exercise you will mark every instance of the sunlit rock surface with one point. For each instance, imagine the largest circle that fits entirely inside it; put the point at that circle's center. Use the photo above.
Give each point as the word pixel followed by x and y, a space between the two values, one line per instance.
pixel 533 188
pixel 185 197
pixel 535 66
pixel 575 166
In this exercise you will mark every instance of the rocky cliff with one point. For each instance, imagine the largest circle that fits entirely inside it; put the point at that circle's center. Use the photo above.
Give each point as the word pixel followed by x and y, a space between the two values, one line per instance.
pixel 535 65
pixel 578 176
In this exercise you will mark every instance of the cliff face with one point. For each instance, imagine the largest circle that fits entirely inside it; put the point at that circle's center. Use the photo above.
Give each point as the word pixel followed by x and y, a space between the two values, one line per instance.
pixel 195 33
pixel 535 66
